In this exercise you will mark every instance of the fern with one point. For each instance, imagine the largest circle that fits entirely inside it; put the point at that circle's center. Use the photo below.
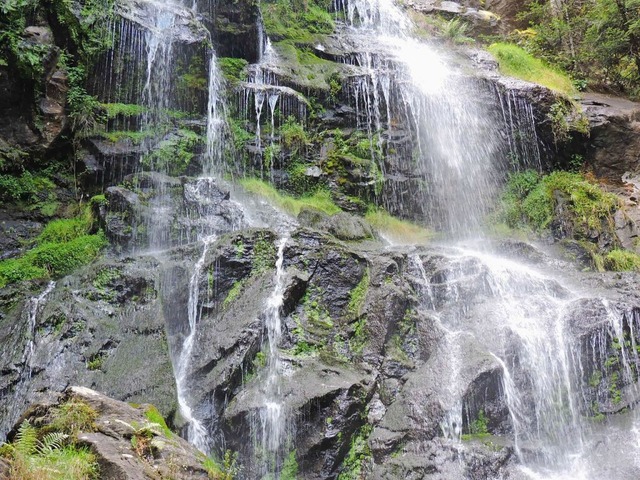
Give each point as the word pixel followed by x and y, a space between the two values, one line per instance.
pixel 50 442
pixel 26 441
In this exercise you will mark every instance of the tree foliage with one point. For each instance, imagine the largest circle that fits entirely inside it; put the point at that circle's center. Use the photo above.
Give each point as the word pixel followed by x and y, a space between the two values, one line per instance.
pixel 595 40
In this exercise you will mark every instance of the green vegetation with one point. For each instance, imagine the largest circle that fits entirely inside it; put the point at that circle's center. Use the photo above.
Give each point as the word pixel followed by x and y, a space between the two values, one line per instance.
pixel 320 200
pixel 358 295
pixel 51 452
pixel 517 62
pixel 24 188
pixel 455 30
pixel 289 467
pixel 297 21
pixel 401 231
pixel 622 260
pixel 234 292
pixel 597 41
pixel 63 246
pixel 478 428
pixel 95 363
pixel 227 469
pixel 563 122
pixel 173 155
pixel 154 416
pixel 264 255
pixel 73 417
pixel 134 136
pixel 233 69
pixel 355 463
pixel 530 199
pixel 114 110
pixel 293 136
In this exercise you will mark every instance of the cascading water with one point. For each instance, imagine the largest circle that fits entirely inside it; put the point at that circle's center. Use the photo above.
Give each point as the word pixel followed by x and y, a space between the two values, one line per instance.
pixel 31 312
pixel 196 432
pixel 273 419
pixel 546 383
pixel 456 121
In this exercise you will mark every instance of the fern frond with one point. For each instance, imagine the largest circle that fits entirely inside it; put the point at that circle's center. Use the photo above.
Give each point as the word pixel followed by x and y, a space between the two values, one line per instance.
pixel 26 439
pixel 51 441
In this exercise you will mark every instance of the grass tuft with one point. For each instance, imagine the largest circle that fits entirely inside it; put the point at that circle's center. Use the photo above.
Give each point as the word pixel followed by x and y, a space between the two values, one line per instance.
pixel 396 229
pixel 622 260
pixel 517 62
pixel 319 200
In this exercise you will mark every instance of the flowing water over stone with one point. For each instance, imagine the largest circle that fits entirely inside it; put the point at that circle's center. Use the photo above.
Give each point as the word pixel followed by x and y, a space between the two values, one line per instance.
pixel 273 417
pixel 497 346
pixel 548 376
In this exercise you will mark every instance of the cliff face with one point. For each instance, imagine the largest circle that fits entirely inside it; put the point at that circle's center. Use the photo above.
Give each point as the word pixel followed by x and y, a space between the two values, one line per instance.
pixel 304 342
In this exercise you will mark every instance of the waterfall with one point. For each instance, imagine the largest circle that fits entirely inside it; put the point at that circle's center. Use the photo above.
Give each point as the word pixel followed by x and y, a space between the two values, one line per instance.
pixel 215 120
pixel 548 375
pixel 32 310
pixel 273 417
pixel 196 432
pixel 457 121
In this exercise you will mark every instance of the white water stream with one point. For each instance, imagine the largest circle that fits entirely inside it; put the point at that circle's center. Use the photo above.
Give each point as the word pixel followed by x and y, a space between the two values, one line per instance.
pixel 273 418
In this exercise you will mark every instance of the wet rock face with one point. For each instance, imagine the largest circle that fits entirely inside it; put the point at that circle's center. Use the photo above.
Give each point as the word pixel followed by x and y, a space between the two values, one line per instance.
pixel 162 211
pixel 369 338
pixel 614 145
pixel 34 109
pixel 85 331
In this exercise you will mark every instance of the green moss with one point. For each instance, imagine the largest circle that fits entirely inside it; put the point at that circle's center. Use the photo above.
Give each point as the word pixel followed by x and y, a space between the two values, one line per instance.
pixel 233 69
pixel 234 292
pixel 18 270
pixel 154 416
pixel 286 19
pixel 359 455
pixel 123 109
pixel 66 229
pixel 320 200
pixel 516 62
pixel 622 260
pixel 530 200
pixel 174 154
pixel 358 295
pixel 63 245
pixel 99 200
pixel 24 188
pixel 62 258
pixel 293 136
pixel 134 136
pixel 52 259
pixel 263 255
